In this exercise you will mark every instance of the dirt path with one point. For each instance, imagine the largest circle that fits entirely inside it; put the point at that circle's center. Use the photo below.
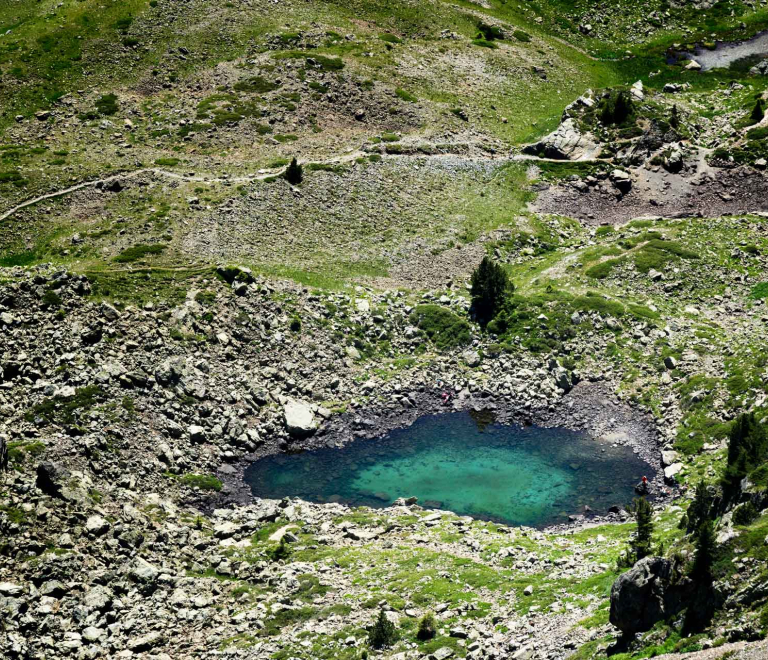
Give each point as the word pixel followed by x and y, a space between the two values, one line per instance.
pixel 250 178
pixel 122 176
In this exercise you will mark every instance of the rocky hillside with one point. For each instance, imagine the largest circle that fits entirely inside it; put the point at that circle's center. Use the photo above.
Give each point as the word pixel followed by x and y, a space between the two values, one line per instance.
pixel 176 301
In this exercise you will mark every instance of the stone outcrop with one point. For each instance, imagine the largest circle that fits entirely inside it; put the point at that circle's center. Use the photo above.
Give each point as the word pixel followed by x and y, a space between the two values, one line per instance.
pixel 649 592
pixel 566 142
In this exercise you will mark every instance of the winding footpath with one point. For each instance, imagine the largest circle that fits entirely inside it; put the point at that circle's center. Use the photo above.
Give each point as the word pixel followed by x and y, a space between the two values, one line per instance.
pixel 122 176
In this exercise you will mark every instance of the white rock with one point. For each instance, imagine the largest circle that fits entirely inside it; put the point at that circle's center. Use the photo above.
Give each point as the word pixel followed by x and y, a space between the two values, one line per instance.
pixel 671 471
pixel 299 418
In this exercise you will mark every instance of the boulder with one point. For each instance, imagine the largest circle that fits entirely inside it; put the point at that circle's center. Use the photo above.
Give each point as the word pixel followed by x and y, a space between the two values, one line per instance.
pixel 56 481
pixel 760 69
pixel 649 592
pixel 10 589
pixel 564 143
pixel 142 571
pixel 671 472
pixel 299 418
pixel 146 642
pixel 443 653
pixel 622 180
pixel 472 358
pixel 562 379
pixel 110 313
pixel 230 273
pixel 96 525
pixel 670 362
pixel 196 433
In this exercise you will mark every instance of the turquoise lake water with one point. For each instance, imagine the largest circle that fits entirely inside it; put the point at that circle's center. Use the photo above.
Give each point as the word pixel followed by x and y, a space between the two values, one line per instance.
pixel 460 462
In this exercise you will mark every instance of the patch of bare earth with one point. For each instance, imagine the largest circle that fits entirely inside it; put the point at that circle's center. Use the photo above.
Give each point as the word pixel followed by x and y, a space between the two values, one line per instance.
pixel 659 193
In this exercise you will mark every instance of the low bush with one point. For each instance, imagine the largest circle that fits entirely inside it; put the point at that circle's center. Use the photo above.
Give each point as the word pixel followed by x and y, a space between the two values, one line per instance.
pixel 615 108
pixel 256 85
pixel 405 96
pixel 442 326
pixel 489 32
pixel 13 177
pixel 427 627
pixel 745 514
pixel 138 252
pixel 66 410
pixel 603 269
pixel 52 299
pixel 202 482
pixel 107 104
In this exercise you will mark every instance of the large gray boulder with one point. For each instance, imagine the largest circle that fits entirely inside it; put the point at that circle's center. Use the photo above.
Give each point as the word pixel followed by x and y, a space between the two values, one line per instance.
pixel 300 420
pixel 649 592
pixel 57 481
pixel 566 142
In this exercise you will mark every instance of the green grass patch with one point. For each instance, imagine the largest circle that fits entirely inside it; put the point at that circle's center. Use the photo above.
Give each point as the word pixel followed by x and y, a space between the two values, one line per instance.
pixel 445 329
pixel 66 410
pixel 201 482
pixel 139 252
pixel 256 85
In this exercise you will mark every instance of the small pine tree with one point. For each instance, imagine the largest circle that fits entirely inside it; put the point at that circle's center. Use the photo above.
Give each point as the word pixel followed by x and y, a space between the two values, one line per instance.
pixel 758 112
pixel 674 119
pixel 383 632
pixel 294 173
pixel 747 447
pixel 3 455
pixel 705 553
pixel 281 551
pixel 641 544
pixel 490 285
pixel 699 509
pixel 615 108
pixel 427 627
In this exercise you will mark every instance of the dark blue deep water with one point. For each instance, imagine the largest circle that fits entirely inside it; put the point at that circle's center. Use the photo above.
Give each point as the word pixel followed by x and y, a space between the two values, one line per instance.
pixel 456 461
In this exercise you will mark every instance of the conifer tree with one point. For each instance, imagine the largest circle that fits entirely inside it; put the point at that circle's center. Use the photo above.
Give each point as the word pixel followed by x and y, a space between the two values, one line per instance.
pixel 294 173
pixel 490 284
pixel 427 627
pixel 747 447
pixel 641 544
pixel 674 119
pixel 699 509
pixel 705 553
pixel 383 632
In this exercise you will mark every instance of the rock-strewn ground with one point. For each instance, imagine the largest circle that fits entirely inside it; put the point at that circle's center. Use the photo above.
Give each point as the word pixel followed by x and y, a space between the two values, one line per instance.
pixel 112 549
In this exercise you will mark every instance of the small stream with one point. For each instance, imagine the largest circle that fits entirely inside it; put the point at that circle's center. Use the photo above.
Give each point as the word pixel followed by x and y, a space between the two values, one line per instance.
pixel 726 53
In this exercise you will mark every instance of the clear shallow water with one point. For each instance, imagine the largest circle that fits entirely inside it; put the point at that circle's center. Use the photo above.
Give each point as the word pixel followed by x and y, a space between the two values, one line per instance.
pixel 531 476
pixel 726 54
